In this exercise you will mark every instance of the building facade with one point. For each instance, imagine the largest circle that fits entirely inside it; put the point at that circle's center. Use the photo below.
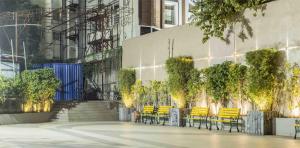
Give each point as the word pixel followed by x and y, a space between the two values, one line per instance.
pixel 277 29
pixel 92 32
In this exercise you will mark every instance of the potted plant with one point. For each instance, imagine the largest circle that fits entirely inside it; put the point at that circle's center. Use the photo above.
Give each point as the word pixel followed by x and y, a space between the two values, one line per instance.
pixel 179 69
pixel 127 79
pixel 290 101
pixel 265 82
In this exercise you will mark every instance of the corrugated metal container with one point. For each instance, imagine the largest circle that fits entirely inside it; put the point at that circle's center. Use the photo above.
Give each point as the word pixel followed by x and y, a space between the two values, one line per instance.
pixel 71 77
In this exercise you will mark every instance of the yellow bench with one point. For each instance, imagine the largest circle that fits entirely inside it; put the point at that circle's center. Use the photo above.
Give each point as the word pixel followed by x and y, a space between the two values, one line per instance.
pixel 164 113
pixel 147 113
pixel 198 114
pixel 229 116
pixel 297 128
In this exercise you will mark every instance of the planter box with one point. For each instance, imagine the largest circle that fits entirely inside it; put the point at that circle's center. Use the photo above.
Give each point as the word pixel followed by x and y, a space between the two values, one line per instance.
pixel 25 118
pixel 176 117
pixel 261 123
pixel 124 114
pixel 285 126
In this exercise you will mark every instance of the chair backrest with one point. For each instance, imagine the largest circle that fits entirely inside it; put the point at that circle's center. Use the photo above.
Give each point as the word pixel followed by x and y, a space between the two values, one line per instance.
pixel 164 110
pixel 148 109
pixel 199 111
pixel 229 113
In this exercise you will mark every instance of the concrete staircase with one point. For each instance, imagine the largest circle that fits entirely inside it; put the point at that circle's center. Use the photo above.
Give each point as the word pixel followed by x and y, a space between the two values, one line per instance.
pixel 85 111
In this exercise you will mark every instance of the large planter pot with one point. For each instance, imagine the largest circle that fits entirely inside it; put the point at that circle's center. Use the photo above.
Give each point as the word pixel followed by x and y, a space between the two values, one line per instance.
pixel 285 126
pixel 124 114
pixel 261 122
pixel 176 117
pixel 135 116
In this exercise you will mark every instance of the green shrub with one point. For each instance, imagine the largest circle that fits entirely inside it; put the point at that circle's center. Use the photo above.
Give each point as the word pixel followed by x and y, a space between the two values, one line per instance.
pixel 217 82
pixel 226 81
pixel 265 76
pixel 127 79
pixel 39 85
pixel 196 85
pixel 178 70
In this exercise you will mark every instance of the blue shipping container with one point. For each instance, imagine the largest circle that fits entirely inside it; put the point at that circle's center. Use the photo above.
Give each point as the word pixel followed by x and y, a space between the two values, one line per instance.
pixel 71 79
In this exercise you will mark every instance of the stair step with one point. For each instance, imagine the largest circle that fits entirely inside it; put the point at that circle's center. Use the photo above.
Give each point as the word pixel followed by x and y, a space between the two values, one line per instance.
pixel 86 111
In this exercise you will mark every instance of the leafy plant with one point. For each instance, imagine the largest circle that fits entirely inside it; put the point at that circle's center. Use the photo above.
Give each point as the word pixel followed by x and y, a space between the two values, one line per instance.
pixel 237 81
pixel 265 77
pixel 139 93
pixel 218 80
pixel 5 84
pixel 178 70
pixel 292 86
pixel 127 78
pixel 215 16
pixel 196 85
pixel 39 86
pixel 158 91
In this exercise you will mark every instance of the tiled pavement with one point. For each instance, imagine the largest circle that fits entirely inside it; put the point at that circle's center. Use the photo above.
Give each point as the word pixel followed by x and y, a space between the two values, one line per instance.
pixel 118 134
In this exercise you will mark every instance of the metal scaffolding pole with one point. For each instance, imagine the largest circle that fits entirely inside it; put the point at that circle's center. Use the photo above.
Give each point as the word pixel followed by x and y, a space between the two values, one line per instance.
pixel 25 56
pixel 12 56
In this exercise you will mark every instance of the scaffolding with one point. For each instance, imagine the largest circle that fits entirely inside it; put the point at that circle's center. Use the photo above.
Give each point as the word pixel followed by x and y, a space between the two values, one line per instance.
pixel 95 31
pixel 12 46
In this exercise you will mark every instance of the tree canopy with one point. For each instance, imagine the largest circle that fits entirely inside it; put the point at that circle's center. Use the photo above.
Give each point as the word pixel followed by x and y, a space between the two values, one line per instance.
pixel 214 17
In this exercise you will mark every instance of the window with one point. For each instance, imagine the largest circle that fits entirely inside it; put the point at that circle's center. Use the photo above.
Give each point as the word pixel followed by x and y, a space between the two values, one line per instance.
pixel 145 30
pixel 170 14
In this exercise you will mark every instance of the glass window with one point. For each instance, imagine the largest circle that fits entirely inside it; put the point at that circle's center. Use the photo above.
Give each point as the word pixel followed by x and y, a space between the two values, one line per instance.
pixel 170 14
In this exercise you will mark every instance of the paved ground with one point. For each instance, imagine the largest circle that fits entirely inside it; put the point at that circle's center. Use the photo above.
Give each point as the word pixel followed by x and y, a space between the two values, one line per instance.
pixel 117 134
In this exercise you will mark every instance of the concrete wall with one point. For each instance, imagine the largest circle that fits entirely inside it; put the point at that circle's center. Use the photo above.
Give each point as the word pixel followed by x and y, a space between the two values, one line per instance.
pixel 278 28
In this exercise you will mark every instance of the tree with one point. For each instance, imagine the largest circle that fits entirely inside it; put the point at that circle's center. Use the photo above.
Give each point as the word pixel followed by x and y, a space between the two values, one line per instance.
pixel 217 82
pixel 127 79
pixel 178 70
pixel 215 16
pixel 196 85
pixel 265 77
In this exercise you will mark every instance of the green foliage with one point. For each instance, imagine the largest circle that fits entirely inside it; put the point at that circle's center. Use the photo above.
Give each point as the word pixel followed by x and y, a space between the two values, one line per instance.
pixel 226 81
pixel 217 82
pixel 38 85
pixel 237 81
pixel 265 76
pixel 5 84
pixel 292 86
pixel 158 91
pixel 127 79
pixel 178 70
pixel 196 85
pixel 215 16
pixel 139 93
